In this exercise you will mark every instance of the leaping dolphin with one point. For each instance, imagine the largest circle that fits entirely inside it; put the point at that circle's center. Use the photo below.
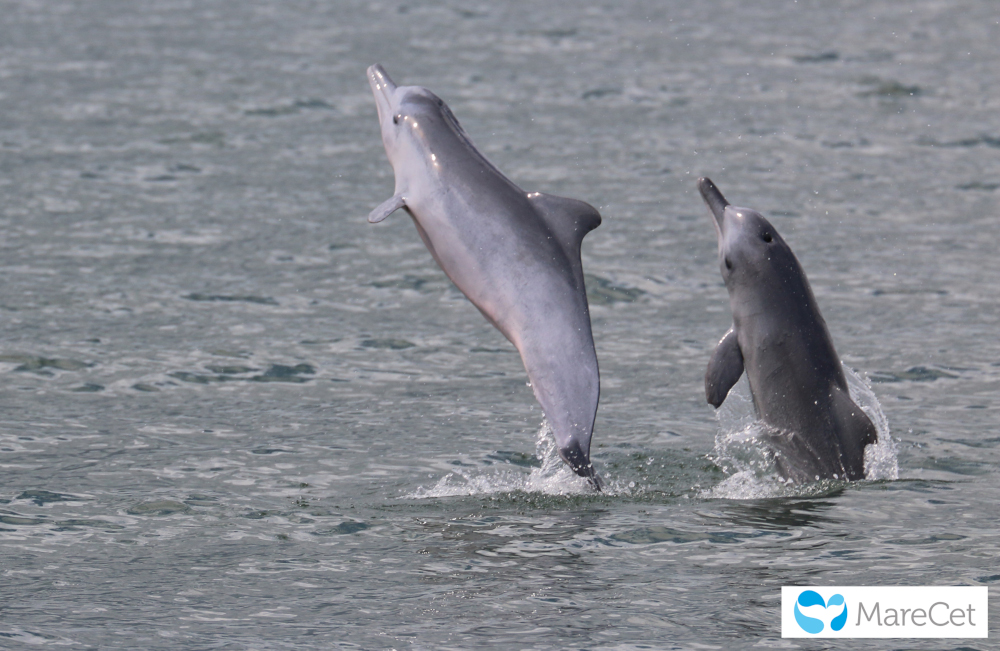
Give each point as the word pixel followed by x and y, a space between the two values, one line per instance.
pixel 514 254
pixel 781 340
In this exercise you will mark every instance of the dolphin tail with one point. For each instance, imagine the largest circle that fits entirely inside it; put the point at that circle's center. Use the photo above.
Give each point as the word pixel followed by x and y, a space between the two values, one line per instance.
pixel 562 365
pixel 581 464
pixel 566 381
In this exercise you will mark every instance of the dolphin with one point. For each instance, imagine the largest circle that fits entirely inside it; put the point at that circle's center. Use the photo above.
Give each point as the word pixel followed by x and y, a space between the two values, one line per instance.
pixel 781 340
pixel 514 254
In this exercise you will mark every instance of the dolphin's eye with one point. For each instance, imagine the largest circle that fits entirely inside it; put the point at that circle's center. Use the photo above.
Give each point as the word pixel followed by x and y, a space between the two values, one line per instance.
pixel 729 265
pixel 767 237
pixel 395 119
pixel 440 102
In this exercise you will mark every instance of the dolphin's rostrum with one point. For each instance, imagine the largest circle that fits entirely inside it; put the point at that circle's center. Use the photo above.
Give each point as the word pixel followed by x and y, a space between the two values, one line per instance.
pixel 515 255
pixel 781 340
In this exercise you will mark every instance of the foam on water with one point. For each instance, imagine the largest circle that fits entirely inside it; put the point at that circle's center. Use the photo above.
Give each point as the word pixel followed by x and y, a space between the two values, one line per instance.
pixel 552 477
pixel 750 463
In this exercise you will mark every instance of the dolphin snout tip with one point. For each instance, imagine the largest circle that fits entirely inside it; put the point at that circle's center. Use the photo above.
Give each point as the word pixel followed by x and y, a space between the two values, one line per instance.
pixel 714 199
pixel 379 78
pixel 710 193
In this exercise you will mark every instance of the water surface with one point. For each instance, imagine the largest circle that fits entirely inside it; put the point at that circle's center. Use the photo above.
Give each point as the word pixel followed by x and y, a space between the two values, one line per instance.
pixel 237 416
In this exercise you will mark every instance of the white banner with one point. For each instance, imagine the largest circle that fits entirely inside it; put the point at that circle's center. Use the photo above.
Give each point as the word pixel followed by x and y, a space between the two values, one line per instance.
pixel 856 611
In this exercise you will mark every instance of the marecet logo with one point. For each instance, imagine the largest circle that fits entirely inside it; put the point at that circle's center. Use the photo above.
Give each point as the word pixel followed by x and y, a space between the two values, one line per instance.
pixel 820 613
pixel 885 612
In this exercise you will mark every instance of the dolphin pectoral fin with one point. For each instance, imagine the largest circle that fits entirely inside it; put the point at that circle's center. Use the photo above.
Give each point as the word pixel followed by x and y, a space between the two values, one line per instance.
pixel 724 369
pixel 568 219
pixel 386 208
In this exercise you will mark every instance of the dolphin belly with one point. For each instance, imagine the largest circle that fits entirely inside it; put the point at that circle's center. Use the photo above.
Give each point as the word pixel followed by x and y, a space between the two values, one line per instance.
pixel 798 387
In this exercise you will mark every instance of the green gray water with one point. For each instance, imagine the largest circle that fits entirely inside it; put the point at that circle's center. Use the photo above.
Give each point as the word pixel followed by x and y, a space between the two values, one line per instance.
pixel 237 416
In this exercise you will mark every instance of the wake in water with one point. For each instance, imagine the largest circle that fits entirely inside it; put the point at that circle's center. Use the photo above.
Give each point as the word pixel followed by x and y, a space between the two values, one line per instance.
pixel 552 477
pixel 741 452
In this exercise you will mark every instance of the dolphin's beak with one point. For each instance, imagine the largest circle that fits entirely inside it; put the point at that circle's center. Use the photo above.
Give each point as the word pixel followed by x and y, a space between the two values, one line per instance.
pixel 382 88
pixel 716 203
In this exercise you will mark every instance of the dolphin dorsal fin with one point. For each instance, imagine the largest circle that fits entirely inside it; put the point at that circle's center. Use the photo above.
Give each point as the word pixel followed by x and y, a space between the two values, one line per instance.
pixel 568 219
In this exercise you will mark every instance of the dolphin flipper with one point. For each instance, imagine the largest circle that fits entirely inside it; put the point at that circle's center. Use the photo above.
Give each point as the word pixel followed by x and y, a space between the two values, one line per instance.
pixel 724 369
pixel 386 208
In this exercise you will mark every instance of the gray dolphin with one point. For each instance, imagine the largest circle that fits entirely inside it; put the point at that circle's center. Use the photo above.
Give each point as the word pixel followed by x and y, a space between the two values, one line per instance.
pixel 781 340
pixel 514 254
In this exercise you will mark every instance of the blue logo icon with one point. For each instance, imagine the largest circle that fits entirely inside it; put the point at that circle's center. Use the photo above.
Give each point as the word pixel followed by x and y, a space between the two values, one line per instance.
pixel 812 624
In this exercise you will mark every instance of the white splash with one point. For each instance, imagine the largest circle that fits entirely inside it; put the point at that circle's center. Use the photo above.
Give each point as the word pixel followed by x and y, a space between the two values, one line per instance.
pixel 750 463
pixel 880 459
pixel 553 477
